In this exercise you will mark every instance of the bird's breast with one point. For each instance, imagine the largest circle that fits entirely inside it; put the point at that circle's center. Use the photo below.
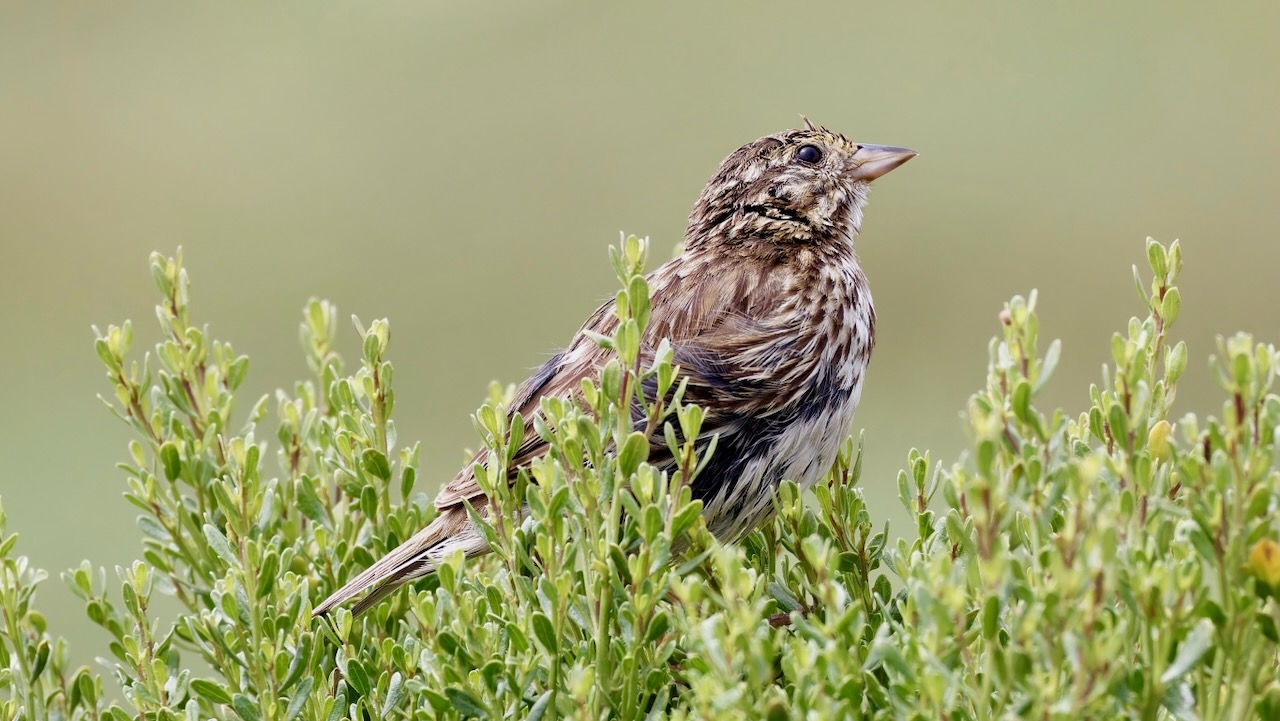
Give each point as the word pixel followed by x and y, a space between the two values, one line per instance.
pixel 834 332
pixel 842 325
pixel 819 372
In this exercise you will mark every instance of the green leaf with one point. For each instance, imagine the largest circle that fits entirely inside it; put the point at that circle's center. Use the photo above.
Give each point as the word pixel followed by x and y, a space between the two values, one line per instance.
pixel 211 691
pixel 267 573
pixel 1119 423
pixel 105 355
pixel 369 501
pixel 540 706
pixel 651 523
pixel 599 339
pixel 245 708
pixel 309 501
pixel 1176 362
pixel 1022 401
pixel 219 545
pixel 1190 651
pixel 1171 306
pixel 358 677
pixel 85 686
pixel 171 460
pixel 1049 364
pixel 1267 624
pixel 395 692
pixel 882 588
pixel 301 656
pixel 228 505
pixel 990 617
pixel 659 625
pixel 299 700
pixel 1180 702
pixel 545 632
pixel 371 347
pixel 786 600
pixel 1157 259
pixel 339 710
pixel 408 476
pixel 151 528
pixel 685 518
pixel 1241 369
pixel 236 372
pixel 635 449
pixel 465 704
pixel 42 659
pixel 885 652
pixel 376 464
pixel 1201 542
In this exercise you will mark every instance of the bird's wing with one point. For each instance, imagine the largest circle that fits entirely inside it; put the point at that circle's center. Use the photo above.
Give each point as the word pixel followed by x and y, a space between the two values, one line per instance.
pixel 722 339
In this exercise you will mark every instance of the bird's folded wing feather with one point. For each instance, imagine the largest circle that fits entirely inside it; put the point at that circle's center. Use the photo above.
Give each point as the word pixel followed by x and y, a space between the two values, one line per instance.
pixel 733 357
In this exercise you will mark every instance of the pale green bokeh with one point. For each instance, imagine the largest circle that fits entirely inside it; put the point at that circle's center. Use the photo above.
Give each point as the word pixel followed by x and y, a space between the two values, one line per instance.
pixel 461 168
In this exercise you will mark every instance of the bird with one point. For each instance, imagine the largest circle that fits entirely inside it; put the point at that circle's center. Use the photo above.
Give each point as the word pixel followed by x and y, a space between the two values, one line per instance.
pixel 769 318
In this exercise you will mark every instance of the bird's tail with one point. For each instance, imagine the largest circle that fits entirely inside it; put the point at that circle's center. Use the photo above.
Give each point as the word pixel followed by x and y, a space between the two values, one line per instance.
pixel 412 559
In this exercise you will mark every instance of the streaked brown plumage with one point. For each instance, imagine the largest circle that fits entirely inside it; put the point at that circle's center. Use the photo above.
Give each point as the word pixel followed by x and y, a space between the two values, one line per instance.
pixel 770 318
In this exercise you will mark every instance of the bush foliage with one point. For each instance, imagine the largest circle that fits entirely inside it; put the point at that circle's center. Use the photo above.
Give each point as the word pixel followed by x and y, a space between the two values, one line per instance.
pixel 1106 563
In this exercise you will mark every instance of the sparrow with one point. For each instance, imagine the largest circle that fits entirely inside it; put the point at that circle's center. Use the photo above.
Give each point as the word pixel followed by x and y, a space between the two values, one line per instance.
pixel 770 320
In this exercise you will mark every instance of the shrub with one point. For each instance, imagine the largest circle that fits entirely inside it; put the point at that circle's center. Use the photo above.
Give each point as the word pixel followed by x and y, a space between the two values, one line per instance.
pixel 1102 564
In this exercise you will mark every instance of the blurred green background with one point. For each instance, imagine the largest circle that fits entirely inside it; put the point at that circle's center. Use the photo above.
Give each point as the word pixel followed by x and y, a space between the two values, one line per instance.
pixel 461 168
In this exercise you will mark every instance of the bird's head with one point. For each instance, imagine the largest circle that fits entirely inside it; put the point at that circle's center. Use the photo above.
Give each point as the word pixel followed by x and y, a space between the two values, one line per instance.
pixel 799 186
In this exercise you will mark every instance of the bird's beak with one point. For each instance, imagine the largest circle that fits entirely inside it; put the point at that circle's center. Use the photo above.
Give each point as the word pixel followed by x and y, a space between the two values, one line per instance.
pixel 872 161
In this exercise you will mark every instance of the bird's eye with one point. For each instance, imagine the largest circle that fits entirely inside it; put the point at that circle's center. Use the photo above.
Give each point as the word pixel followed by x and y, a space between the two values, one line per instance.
pixel 809 154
